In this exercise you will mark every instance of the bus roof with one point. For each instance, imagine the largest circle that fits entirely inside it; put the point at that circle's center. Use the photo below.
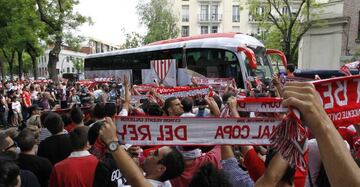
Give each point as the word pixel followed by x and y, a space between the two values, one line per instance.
pixel 218 40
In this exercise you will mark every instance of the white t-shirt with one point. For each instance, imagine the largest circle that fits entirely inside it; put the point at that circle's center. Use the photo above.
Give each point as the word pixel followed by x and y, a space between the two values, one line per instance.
pixel 155 183
pixel 207 112
pixel 16 106
pixel 187 114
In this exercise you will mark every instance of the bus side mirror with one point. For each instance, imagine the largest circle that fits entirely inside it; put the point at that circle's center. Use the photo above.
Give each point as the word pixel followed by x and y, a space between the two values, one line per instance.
pixel 250 55
pixel 279 53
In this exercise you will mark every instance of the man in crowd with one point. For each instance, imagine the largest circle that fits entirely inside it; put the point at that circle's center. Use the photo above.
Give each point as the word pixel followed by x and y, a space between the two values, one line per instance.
pixel 56 147
pixel 173 107
pixel 86 170
pixel 77 117
pixel 28 159
pixel 164 163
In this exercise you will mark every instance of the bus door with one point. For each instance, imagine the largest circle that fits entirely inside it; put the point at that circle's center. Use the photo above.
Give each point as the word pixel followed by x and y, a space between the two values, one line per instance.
pixel 249 66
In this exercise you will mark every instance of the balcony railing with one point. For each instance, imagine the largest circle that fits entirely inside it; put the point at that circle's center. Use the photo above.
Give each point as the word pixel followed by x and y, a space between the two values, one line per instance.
pixel 205 18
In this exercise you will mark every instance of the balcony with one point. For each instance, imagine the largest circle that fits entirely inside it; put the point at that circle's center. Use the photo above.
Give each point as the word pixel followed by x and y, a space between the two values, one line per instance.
pixel 207 18
pixel 210 0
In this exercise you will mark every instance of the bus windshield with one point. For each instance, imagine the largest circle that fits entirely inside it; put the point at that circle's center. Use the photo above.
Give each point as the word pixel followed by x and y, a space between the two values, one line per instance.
pixel 263 68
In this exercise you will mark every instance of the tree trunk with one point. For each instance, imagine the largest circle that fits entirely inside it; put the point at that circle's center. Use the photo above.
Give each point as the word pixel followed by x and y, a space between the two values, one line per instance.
pixel 2 70
pixel 11 65
pixel 54 59
pixel 21 62
pixel 34 64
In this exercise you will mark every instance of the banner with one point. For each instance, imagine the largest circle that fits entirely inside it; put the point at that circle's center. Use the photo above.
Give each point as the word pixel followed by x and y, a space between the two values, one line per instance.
pixel 341 99
pixel 210 81
pixel 182 91
pixel 195 131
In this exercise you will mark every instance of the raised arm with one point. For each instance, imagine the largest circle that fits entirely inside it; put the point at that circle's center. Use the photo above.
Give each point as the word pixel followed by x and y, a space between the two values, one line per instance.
pixel 274 172
pixel 123 161
pixel 340 167
pixel 127 99
pixel 212 106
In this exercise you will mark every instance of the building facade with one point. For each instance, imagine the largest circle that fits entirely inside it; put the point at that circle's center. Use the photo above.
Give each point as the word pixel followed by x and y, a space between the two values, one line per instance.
pixel 333 43
pixel 213 16
pixel 68 57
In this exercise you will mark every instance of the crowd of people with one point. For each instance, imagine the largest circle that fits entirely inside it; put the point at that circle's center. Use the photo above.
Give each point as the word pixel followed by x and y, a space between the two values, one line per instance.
pixel 65 135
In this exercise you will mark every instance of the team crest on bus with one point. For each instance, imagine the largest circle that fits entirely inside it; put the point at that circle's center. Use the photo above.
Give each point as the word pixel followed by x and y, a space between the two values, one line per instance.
pixel 162 67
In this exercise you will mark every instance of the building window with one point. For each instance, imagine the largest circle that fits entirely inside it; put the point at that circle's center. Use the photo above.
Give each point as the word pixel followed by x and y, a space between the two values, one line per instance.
pixel 67 59
pixel 68 69
pixel 204 30
pixel 214 29
pixel 185 13
pixel 285 10
pixel 236 13
pixel 236 28
pixel 184 31
pixel 73 70
pixel 214 13
pixel 204 13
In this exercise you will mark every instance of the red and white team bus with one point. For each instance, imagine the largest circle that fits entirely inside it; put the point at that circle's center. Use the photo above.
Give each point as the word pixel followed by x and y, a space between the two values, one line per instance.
pixel 175 61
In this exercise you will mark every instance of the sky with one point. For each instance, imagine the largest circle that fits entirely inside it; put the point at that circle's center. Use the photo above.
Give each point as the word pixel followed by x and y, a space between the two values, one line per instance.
pixel 110 17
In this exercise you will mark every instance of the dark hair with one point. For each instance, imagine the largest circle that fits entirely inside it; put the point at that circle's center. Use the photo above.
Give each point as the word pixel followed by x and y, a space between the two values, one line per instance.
pixel 290 67
pixel 145 105
pixel 154 109
pixel 227 95
pixel 26 140
pixel 209 176
pixel 79 137
pixel 66 119
pixel 187 103
pixel 54 123
pixel 174 163
pixel 94 132
pixel 218 101
pixel 167 104
pixel 99 111
pixel 9 172
pixel 76 115
pixel 43 115
pixel 110 109
pixel 3 143
pixel 322 178
pixel 290 171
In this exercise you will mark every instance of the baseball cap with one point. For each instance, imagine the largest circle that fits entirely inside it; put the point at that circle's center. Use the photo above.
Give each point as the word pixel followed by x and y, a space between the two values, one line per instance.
pixel 33 108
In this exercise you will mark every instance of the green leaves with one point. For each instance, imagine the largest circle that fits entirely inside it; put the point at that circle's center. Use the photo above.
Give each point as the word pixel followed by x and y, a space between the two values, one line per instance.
pixel 157 16
pixel 283 23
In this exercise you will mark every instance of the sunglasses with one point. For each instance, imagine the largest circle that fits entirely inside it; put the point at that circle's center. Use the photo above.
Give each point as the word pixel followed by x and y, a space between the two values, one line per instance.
pixel 11 146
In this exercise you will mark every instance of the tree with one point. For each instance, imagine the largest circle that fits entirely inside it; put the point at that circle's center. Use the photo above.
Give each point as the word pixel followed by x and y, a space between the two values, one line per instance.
pixel 78 64
pixel 132 40
pixel 280 18
pixel 34 51
pixel 60 20
pixel 20 27
pixel 157 16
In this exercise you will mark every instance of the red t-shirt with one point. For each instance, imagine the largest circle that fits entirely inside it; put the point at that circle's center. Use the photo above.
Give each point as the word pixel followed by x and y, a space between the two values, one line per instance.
pixel 254 165
pixel 26 98
pixel 70 127
pixel 74 172
pixel 213 156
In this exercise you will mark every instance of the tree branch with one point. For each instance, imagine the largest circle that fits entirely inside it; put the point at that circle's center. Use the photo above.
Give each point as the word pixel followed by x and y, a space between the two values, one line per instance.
pixel 298 39
pixel 292 23
pixel 272 17
pixel 43 17
pixel 278 11
pixel 289 10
